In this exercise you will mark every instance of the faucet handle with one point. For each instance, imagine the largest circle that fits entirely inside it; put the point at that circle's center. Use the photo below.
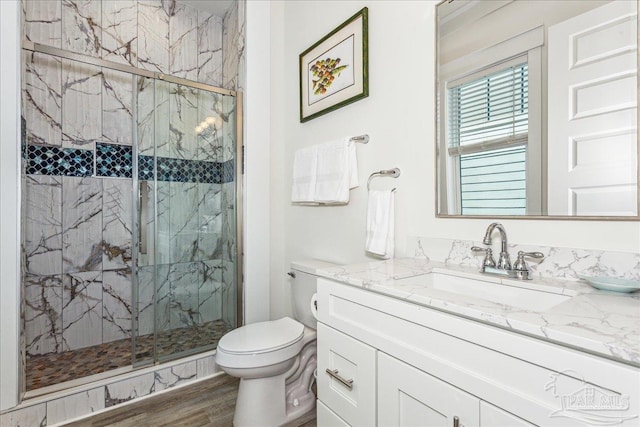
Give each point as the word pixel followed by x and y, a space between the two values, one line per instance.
pixel 522 254
pixel 488 259
pixel 520 266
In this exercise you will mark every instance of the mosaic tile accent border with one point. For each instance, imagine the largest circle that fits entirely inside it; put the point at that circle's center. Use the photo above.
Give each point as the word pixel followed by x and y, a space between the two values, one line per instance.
pixel 55 161
pixel 228 171
pixel 145 168
pixel 180 170
pixel 116 161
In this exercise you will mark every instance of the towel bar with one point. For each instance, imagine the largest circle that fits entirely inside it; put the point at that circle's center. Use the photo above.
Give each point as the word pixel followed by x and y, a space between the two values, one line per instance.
pixel 393 173
pixel 363 139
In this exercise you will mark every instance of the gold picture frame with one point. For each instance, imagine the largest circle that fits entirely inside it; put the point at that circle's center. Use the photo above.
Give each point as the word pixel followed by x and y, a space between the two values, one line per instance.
pixel 334 72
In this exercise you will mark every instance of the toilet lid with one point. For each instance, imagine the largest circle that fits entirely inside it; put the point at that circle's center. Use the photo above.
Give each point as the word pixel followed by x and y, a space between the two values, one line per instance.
pixel 262 337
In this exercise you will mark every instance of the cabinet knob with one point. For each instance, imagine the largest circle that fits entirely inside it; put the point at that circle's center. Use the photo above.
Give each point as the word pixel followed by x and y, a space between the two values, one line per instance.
pixel 456 421
pixel 292 274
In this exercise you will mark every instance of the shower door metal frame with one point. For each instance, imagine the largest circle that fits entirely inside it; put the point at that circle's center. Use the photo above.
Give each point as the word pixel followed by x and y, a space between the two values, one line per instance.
pixel 239 177
pixel 61 53
pixel 239 161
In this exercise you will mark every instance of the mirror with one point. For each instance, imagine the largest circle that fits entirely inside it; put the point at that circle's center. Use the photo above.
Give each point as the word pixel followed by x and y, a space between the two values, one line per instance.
pixel 537 109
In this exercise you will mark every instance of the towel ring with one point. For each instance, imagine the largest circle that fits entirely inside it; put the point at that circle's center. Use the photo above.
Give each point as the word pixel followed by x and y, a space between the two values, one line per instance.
pixel 393 173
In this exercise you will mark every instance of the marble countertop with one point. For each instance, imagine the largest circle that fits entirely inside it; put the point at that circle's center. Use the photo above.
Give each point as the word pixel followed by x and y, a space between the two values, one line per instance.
pixel 599 322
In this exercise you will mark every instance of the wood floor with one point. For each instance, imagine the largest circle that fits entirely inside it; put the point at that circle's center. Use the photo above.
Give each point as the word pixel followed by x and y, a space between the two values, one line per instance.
pixel 207 403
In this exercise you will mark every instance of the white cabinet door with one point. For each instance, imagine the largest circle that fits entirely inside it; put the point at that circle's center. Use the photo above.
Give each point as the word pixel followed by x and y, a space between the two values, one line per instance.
pixel 592 142
pixel 354 362
pixel 491 416
pixel 325 417
pixel 410 397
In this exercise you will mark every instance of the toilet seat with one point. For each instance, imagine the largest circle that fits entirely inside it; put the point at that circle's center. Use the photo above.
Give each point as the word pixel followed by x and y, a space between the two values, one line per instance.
pixel 261 344
pixel 262 337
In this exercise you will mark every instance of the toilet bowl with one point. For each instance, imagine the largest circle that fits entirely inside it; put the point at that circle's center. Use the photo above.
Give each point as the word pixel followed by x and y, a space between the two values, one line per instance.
pixel 275 359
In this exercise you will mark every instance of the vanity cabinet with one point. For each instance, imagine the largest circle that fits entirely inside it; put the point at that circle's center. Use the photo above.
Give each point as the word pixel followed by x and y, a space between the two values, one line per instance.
pixel 414 365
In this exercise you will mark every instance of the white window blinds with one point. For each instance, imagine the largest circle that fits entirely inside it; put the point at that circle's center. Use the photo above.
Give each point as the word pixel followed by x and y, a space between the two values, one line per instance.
pixel 488 131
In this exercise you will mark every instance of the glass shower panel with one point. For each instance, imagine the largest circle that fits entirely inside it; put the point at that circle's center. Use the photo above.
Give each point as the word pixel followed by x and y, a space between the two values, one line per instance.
pixel 229 222
pixel 185 168
pixel 78 214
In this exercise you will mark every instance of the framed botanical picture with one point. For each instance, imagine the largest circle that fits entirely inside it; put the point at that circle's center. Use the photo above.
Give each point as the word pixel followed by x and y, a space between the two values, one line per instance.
pixel 334 71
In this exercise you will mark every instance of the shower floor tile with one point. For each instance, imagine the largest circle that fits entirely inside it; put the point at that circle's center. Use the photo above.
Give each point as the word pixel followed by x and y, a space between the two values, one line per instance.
pixel 55 368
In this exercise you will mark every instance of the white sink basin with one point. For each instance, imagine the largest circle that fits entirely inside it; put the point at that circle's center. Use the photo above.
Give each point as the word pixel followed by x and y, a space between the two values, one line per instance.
pixel 513 296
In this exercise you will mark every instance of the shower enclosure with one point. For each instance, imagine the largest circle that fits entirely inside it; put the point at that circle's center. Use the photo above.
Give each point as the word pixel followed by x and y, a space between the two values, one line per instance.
pixel 130 215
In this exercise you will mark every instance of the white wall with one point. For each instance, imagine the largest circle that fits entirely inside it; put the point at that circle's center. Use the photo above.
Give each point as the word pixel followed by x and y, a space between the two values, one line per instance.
pixel 9 201
pixel 279 192
pixel 399 117
pixel 256 182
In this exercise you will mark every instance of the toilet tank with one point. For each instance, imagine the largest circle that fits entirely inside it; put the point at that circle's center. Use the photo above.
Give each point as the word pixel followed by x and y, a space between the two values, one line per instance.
pixel 303 286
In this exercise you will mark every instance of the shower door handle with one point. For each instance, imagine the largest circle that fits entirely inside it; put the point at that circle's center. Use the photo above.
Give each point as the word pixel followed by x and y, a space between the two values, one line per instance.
pixel 144 202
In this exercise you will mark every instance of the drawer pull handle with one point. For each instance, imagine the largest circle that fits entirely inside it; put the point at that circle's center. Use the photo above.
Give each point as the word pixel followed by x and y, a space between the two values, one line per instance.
pixel 334 374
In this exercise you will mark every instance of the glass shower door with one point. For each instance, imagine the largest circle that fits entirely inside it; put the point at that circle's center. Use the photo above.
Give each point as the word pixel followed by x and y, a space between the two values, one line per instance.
pixel 186 291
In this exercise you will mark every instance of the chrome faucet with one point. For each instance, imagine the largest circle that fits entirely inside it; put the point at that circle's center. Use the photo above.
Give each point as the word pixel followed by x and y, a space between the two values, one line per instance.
pixel 503 266
pixel 504 262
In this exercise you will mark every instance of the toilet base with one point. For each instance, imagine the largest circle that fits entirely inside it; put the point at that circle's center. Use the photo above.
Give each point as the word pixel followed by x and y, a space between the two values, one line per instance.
pixel 276 400
pixel 260 403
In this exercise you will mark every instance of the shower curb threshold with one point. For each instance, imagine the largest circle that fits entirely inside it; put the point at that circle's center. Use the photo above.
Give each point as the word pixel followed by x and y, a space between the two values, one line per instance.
pixel 136 400
pixel 41 402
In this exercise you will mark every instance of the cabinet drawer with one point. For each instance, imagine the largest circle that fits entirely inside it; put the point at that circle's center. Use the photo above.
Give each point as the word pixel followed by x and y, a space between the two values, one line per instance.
pixel 325 417
pixel 490 416
pixel 355 363
pixel 410 397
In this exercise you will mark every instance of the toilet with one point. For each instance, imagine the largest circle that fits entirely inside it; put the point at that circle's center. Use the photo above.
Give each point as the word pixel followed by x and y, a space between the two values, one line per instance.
pixel 275 360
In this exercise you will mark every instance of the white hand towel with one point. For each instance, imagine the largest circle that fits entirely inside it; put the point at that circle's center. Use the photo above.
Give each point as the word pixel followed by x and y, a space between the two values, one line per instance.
pixel 305 164
pixel 353 164
pixel 381 223
pixel 337 171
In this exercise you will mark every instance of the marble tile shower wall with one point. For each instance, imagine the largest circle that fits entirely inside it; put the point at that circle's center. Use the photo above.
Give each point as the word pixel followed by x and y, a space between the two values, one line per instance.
pixel 233 47
pixel 78 163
